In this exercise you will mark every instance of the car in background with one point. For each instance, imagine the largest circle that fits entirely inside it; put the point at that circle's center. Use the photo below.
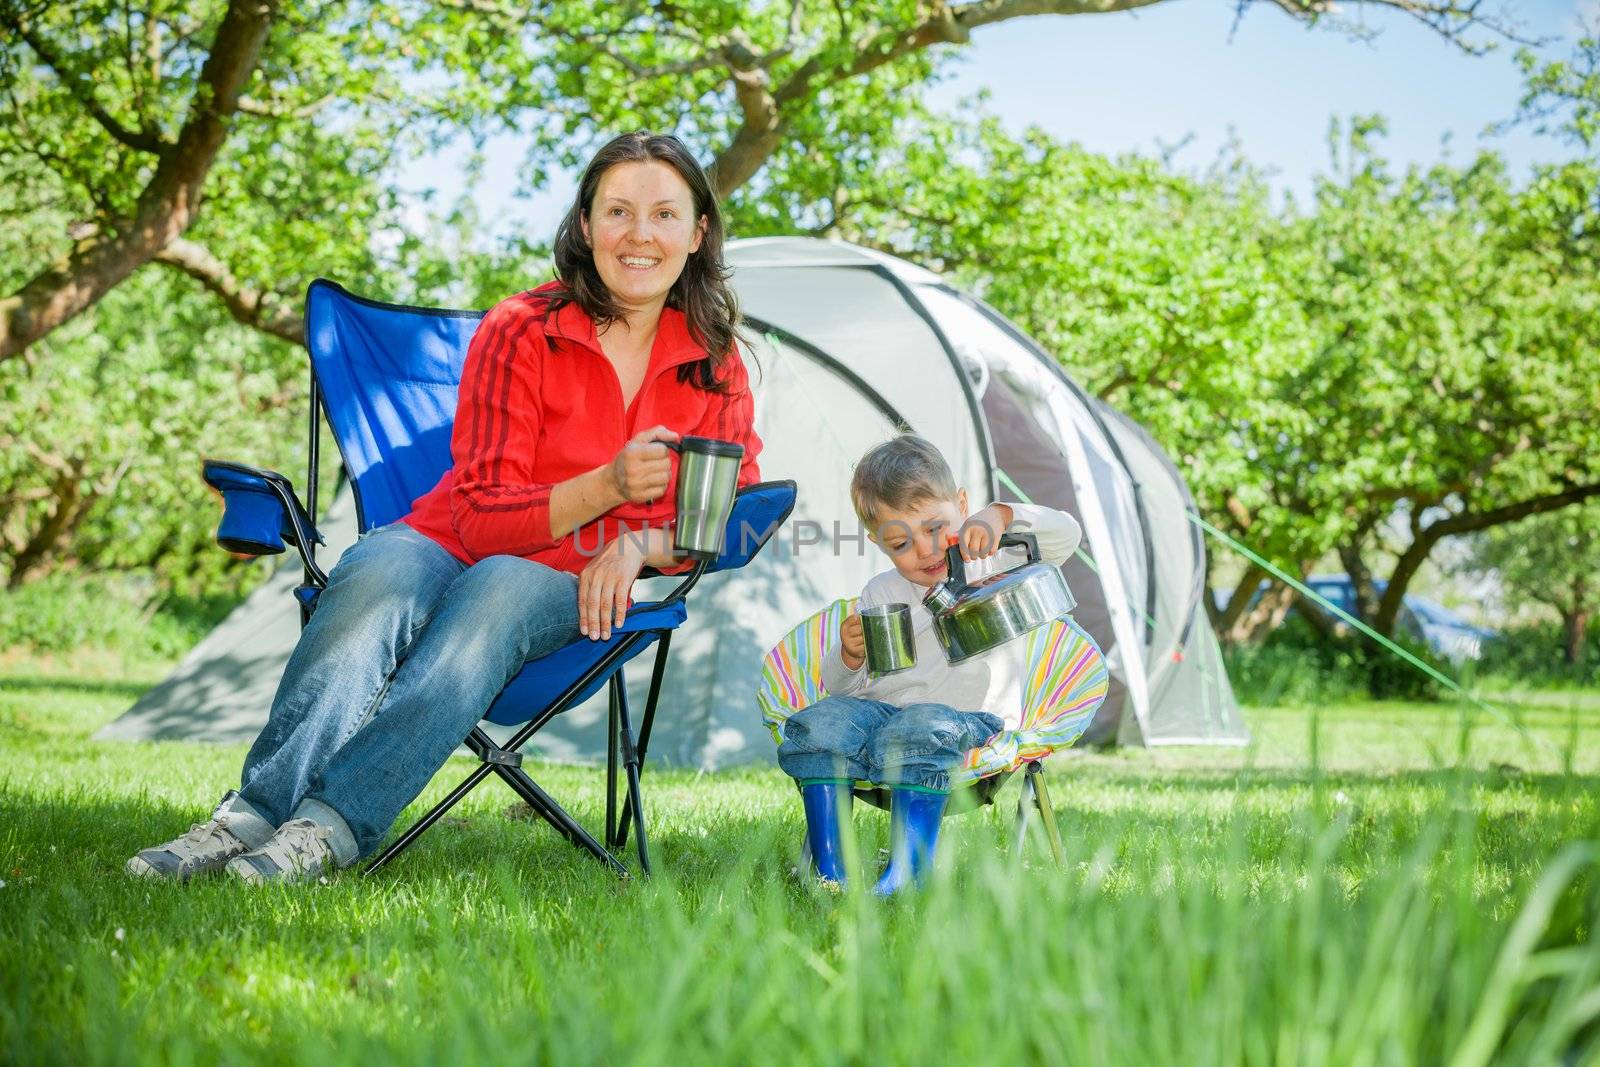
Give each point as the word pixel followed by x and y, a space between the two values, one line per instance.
pixel 1449 635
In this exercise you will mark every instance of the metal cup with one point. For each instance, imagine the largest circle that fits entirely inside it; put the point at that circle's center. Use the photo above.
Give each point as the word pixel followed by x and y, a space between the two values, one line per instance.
pixel 708 474
pixel 891 644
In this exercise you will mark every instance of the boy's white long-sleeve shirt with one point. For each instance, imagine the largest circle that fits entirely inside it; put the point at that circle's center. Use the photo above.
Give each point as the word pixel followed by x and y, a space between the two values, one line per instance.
pixel 990 682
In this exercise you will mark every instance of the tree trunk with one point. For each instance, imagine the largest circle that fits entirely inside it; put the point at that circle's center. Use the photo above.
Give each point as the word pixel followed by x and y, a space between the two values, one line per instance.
pixel 1575 627
pixel 1360 582
pixel 72 505
pixel 1265 617
pixel 1576 622
pixel 169 202
pixel 1239 602
pixel 1425 538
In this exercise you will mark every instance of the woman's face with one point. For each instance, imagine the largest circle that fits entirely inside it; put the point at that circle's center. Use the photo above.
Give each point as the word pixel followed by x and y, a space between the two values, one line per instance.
pixel 642 227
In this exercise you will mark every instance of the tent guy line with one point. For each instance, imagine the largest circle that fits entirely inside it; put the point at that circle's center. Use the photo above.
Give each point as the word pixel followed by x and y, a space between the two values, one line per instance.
pixel 1383 642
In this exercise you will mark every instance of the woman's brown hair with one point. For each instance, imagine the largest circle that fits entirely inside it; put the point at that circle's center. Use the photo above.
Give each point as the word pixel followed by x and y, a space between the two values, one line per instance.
pixel 701 292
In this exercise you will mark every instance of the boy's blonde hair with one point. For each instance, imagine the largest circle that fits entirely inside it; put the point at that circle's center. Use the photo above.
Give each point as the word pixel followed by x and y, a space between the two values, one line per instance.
pixel 900 473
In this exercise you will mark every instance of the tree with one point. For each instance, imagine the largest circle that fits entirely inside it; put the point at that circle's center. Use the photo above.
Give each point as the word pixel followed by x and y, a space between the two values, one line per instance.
pixel 129 110
pixel 1552 559
pixel 1412 346
pixel 1458 338
pixel 173 165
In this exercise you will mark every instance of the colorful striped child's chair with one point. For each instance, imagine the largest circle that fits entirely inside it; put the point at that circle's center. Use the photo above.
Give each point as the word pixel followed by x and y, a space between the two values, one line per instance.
pixel 1066 681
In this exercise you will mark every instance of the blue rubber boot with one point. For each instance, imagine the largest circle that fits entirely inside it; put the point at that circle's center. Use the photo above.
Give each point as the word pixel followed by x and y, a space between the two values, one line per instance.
pixel 914 817
pixel 825 802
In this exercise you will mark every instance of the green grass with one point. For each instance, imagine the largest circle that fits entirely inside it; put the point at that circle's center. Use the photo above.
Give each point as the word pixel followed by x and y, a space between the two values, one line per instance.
pixel 1368 883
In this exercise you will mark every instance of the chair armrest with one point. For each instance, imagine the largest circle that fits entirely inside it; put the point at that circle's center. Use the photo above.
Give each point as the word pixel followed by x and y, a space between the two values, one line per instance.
pixel 260 511
pixel 758 510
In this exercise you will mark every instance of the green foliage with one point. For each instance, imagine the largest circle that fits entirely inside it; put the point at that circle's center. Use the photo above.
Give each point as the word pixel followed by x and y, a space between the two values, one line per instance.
pixel 1553 559
pixel 1345 891
pixel 1562 97
pixel 295 191
pixel 125 403
pixel 1533 656
pixel 125 613
pixel 1297 665
pixel 1287 673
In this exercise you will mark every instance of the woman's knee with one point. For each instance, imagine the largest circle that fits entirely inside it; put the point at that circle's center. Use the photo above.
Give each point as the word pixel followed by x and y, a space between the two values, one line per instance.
pixel 512 604
pixel 389 563
pixel 514 580
pixel 388 582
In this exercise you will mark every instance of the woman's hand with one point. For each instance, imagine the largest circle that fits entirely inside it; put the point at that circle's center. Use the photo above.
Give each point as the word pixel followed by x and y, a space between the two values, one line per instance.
pixel 980 535
pixel 639 473
pixel 852 641
pixel 604 584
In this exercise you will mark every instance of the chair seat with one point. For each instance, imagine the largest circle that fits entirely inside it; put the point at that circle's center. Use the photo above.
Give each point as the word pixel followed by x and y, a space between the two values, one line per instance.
pixel 1065 679
pixel 542 680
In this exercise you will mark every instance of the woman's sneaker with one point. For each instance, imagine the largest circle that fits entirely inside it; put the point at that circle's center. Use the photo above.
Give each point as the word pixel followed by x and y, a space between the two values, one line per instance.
pixel 298 852
pixel 205 849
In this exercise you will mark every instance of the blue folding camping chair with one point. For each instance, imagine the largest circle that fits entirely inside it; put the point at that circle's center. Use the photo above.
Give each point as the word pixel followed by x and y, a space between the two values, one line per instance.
pixel 386 378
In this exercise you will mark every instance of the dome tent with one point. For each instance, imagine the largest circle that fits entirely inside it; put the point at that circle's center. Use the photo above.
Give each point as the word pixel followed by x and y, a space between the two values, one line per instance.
pixel 850 346
pixel 1015 427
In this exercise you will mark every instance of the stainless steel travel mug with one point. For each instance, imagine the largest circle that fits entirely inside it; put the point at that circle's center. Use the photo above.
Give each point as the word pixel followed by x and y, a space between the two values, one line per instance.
pixel 891 643
pixel 708 475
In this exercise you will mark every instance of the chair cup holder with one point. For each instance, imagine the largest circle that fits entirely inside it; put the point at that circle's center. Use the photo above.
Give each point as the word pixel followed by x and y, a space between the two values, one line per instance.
pixel 252 522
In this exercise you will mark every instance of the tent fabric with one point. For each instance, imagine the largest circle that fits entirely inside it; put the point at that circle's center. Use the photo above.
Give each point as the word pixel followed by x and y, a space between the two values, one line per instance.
pixel 846 345
pixel 1065 679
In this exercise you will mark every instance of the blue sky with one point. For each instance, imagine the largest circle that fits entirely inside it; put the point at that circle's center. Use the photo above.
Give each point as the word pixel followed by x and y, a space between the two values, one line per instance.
pixel 1133 82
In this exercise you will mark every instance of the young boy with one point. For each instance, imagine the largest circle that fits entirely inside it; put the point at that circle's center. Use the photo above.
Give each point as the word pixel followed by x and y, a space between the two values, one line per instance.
pixel 908 729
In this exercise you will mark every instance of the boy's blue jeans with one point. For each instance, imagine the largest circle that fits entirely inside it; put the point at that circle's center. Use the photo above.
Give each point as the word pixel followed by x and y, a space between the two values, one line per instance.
pixel 407 649
pixel 870 741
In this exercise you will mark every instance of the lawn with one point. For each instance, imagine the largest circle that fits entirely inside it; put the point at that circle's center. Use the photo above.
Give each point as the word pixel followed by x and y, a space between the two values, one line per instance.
pixel 1373 883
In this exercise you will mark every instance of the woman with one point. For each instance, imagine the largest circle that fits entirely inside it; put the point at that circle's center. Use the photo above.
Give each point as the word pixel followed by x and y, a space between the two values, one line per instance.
pixel 516 552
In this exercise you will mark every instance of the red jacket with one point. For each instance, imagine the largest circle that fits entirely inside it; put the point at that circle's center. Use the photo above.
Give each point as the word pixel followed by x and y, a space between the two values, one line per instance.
pixel 541 403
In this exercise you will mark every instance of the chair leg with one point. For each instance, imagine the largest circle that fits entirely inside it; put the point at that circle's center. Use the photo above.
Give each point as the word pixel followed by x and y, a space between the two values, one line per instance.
pixel 505 763
pixel 611 766
pixel 630 760
pixel 557 816
pixel 1024 810
pixel 644 728
pixel 1047 811
pixel 404 840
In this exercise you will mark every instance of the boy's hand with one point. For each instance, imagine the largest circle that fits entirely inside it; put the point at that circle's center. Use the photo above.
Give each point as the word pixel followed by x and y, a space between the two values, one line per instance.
pixel 852 642
pixel 980 535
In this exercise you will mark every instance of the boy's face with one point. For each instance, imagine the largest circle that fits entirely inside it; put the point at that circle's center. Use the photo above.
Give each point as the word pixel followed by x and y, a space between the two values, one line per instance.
pixel 915 538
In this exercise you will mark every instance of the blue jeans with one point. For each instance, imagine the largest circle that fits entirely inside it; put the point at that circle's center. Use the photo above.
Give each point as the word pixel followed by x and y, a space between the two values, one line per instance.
pixel 870 741
pixel 407 649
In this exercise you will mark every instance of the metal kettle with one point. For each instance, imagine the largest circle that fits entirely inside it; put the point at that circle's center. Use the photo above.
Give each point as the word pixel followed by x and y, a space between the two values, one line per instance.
pixel 972 618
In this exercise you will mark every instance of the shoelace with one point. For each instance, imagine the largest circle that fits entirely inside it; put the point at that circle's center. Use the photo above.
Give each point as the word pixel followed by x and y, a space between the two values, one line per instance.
pixel 296 844
pixel 215 827
pixel 201 833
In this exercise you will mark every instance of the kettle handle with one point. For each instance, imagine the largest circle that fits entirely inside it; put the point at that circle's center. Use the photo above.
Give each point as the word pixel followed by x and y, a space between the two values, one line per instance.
pixel 955 574
pixel 1022 540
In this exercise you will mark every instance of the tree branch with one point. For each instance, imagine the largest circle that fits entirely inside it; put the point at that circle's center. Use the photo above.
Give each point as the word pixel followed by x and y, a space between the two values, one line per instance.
pixel 82 90
pixel 762 131
pixel 252 307
pixel 1422 544
pixel 249 105
pixel 170 199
